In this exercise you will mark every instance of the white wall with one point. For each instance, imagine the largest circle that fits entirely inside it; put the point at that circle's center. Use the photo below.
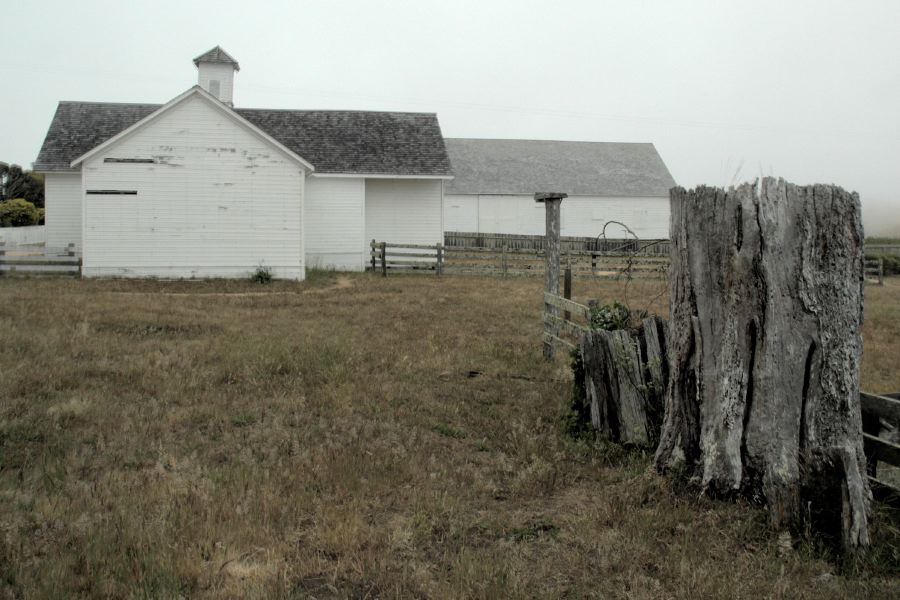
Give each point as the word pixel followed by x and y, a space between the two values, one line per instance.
pixel 335 223
pixel 460 213
pixel 582 216
pixel 404 211
pixel 62 203
pixel 223 73
pixel 218 201
pixel 32 234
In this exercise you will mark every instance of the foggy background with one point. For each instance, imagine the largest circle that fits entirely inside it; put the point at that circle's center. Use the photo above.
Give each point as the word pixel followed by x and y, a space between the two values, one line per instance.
pixel 809 90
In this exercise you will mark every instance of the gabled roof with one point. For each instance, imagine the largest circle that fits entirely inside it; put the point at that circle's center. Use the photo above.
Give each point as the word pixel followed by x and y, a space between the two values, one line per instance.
pixel 215 103
pixel 335 142
pixel 482 166
pixel 217 55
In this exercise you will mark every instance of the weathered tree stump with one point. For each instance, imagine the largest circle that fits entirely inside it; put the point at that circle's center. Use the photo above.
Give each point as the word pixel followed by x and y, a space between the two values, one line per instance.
pixel 625 380
pixel 764 349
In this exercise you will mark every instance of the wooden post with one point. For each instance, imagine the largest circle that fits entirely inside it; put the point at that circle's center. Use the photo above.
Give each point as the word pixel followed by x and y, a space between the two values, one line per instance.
pixel 503 267
pixel 440 259
pixel 880 270
pixel 70 250
pixel 551 250
pixel 567 288
pixel 372 247
pixel 2 248
pixel 384 259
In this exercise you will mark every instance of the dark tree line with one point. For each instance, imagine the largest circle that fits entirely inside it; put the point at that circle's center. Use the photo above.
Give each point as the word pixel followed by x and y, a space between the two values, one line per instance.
pixel 15 182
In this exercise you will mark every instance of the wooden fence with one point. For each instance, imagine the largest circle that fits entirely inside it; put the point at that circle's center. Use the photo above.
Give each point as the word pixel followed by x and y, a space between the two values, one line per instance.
pixel 881 422
pixel 509 262
pixel 875 270
pixel 515 241
pixel 559 327
pixel 39 261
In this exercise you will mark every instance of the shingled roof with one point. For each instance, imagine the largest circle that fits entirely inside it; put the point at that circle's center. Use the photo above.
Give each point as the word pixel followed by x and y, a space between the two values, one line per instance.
pixel 483 166
pixel 217 55
pixel 353 142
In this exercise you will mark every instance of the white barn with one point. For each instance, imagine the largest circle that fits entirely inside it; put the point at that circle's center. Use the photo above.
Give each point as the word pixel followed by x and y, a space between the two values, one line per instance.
pixel 198 188
pixel 608 183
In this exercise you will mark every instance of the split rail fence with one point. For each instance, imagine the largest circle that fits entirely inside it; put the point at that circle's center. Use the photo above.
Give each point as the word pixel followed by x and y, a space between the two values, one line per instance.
pixel 509 262
pixel 39 261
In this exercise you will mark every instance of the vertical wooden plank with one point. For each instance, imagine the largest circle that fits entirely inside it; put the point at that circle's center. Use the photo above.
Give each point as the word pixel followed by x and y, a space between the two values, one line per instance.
pixel 567 288
pixel 384 259
pixel 70 250
pixel 2 248
pixel 372 247
pixel 440 259
pixel 503 259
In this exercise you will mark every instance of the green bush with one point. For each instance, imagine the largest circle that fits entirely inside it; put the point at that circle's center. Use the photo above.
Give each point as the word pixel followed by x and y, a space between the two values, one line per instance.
pixel 18 212
pixel 610 317
pixel 262 274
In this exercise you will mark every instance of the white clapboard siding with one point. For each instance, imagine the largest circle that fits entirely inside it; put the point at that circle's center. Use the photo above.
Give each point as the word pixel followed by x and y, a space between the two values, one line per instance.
pixel 335 223
pixel 460 213
pixel 223 73
pixel 581 216
pixel 217 201
pixel 28 235
pixel 404 211
pixel 62 203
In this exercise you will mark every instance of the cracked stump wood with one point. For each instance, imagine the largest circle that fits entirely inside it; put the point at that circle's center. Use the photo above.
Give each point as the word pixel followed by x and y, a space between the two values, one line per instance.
pixel 551 249
pixel 766 290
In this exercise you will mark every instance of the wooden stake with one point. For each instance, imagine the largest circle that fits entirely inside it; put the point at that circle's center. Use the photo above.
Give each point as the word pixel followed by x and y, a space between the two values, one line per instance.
pixel 551 248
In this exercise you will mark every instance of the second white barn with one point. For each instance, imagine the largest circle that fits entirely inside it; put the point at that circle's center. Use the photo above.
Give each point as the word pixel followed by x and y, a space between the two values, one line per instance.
pixel 607 183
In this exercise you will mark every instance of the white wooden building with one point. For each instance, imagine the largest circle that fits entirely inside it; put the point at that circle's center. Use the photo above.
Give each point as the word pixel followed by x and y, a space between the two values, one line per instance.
pixel 608 183
pixel 197 188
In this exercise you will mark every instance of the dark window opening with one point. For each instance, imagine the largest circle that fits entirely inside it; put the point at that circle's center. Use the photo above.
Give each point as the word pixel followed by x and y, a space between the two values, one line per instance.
pixel 129 160
pixel 112 192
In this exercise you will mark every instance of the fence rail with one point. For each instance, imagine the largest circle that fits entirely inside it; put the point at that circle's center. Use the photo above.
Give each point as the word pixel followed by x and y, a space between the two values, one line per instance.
pixel 39 260
pixel 515 241
pixel 881 425
pixel 509 262
pixel 874 270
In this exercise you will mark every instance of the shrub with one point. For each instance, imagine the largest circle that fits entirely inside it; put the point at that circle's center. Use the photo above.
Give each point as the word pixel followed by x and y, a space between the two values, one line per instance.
pixel 262 274
pixel 610 317
pixel 18 212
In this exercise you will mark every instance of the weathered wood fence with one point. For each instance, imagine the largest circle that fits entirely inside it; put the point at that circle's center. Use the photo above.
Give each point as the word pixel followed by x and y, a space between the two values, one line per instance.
pixel 515 241
pixel 874 270
pixel 39 261
pixel 881 435
pixel 509 262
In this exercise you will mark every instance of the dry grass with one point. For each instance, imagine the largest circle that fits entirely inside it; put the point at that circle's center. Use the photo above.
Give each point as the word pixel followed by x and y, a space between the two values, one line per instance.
pixel 325 440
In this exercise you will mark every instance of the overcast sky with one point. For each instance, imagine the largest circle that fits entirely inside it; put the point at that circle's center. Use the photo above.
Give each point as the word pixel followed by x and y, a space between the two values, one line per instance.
pixel 727 90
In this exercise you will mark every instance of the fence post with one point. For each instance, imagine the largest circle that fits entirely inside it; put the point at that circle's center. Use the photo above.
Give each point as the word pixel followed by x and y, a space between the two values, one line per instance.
pixel 372 247
pixel 70 250
pixel 384 259
pixel 2 248
pixel 880 270
pixel 440 259
pixel 551 249
pixel 503 266
pixel 567 288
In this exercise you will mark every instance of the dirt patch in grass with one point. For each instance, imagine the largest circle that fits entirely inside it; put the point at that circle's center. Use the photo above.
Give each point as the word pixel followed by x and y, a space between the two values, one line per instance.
pixel 352 437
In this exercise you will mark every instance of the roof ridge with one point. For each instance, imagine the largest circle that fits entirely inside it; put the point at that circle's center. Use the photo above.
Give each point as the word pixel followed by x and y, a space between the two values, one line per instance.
pixel 543 140
pixel 338 110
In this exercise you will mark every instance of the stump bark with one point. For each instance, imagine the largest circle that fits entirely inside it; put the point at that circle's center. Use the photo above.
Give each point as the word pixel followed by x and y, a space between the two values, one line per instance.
pixel 625 380
pixel 764 349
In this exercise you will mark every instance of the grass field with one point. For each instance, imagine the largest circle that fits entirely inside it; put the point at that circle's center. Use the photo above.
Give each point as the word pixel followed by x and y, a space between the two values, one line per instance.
pixel 354 437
